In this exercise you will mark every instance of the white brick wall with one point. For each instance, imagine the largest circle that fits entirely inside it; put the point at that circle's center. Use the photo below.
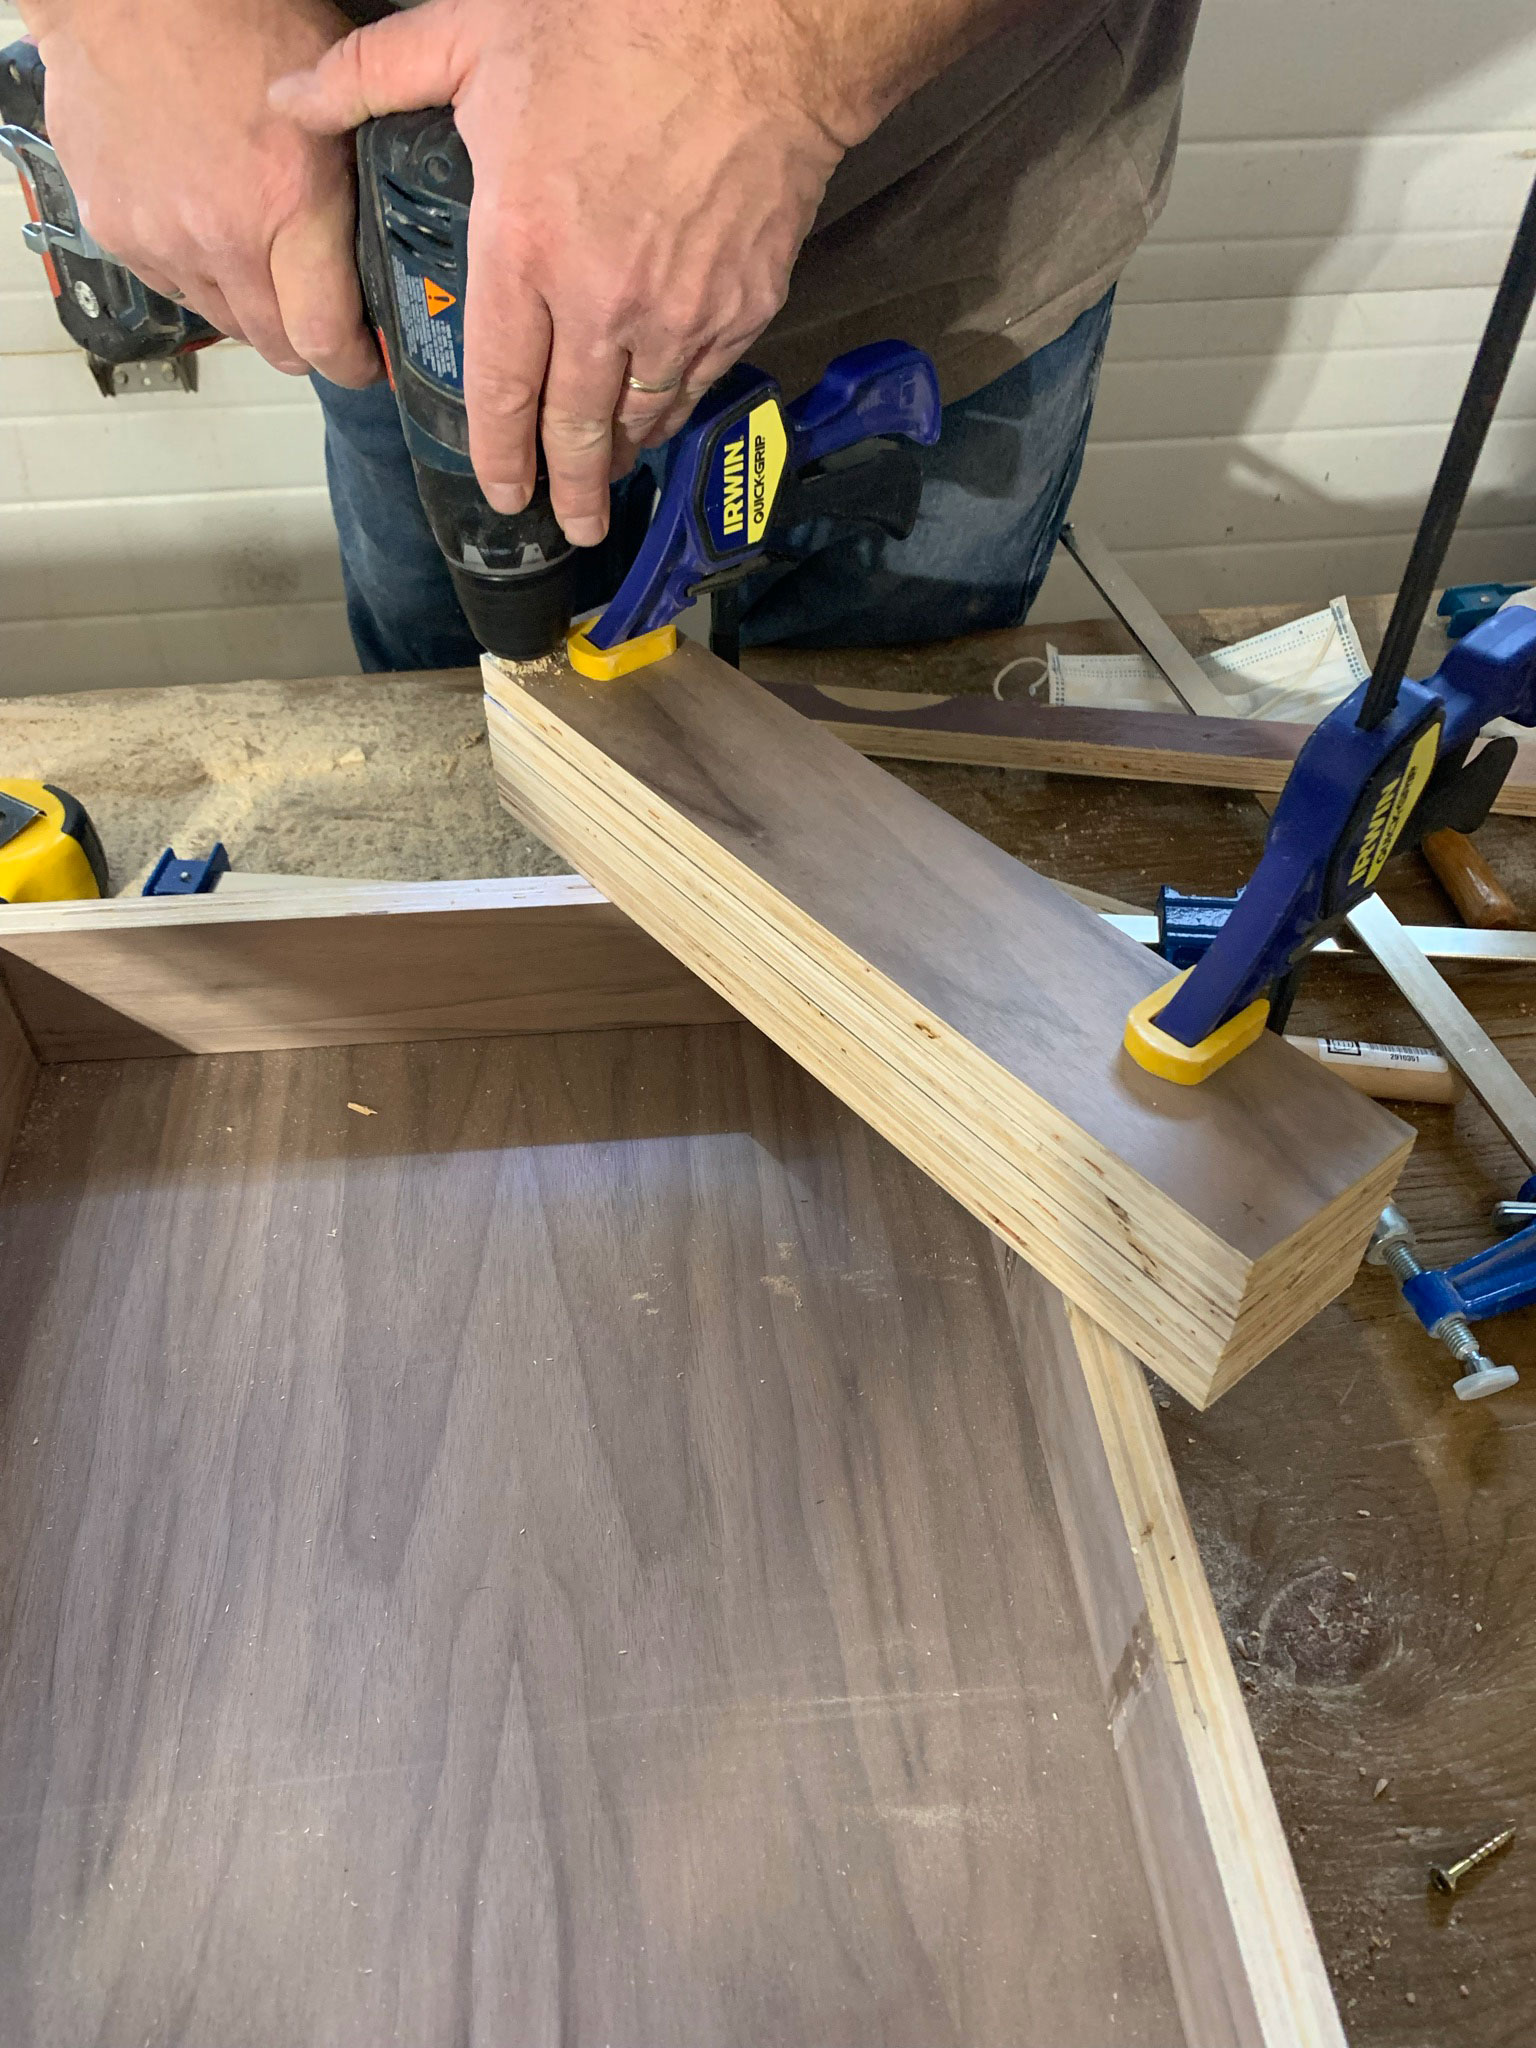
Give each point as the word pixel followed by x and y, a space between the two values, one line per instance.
pixel 1286 354
pixel 1290 345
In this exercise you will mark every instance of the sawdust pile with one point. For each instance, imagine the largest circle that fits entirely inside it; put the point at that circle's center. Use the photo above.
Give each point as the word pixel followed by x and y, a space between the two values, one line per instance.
pixel 384 778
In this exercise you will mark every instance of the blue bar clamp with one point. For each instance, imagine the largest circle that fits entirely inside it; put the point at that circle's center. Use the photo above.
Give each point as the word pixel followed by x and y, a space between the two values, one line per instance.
pixel 746 468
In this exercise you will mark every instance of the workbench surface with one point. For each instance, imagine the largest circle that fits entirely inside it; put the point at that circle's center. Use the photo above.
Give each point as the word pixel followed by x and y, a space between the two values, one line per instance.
pixel 1364 1533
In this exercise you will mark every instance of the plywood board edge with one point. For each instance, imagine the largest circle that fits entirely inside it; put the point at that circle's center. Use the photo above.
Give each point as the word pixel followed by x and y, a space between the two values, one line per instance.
pixel 1240 1944
pixel 308 901
pixel 1306 1284
pixel 1104 759
pixel 972 729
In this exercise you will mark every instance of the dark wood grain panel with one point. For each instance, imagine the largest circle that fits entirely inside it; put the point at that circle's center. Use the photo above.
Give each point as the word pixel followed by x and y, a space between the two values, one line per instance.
pixel 566 1557
pixel 18 1071
pixel 969 1009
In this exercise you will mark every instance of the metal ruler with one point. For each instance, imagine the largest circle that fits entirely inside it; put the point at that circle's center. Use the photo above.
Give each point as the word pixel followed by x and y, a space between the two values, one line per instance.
pixel 1145 624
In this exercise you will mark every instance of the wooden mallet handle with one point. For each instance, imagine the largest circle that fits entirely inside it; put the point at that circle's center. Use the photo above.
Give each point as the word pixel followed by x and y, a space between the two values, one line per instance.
pixel 1470 883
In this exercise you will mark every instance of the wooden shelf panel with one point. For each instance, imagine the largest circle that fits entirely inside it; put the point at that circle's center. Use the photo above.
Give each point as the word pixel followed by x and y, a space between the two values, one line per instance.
pixel 572 1554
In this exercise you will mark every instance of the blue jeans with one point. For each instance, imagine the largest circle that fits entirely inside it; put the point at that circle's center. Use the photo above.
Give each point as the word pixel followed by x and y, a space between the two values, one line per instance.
pixel 996 488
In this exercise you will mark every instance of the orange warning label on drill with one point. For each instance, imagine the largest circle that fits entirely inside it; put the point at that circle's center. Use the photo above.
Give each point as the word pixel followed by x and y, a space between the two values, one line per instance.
pixel 431 327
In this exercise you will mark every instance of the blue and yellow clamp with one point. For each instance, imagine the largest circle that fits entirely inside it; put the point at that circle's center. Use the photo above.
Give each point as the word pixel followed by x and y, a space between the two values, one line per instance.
pixel 1357 794
pixel 1387 767
pixel 746 468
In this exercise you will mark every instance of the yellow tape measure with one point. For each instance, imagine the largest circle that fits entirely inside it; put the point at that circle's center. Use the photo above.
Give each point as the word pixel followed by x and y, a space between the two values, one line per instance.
pixel 49 851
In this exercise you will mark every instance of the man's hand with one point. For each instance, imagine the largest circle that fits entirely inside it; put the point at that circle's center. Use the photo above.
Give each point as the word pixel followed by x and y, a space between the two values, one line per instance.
pixel 644 177
pixel 159 112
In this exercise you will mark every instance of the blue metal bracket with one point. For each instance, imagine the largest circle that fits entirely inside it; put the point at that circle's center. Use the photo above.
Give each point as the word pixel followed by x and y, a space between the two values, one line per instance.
pixel 1465 605
pixel 175 874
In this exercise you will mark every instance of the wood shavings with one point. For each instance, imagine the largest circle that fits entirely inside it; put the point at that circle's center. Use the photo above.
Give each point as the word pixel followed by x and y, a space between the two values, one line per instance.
pixel 271 769
pixel 361 1109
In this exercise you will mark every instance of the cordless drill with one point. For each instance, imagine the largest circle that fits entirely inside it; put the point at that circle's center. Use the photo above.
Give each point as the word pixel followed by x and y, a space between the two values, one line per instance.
pixel 513 574
pixel 744 473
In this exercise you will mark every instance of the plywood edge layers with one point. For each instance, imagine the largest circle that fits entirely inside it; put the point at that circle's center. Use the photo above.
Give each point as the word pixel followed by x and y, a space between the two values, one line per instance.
pixel 280 905
pixel 1240 1944
pixel 1166 1284
pixel 1284 1293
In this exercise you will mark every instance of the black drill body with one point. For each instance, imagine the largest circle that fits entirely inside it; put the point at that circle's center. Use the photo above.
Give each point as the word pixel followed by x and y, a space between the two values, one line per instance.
pixel 513 572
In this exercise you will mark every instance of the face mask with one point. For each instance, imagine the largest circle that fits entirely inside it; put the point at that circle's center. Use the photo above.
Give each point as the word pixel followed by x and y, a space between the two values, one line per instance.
pixel 1296 672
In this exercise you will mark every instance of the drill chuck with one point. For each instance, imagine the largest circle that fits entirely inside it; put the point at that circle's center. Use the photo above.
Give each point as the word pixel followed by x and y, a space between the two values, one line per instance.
pixel 518 616
pixel 512 572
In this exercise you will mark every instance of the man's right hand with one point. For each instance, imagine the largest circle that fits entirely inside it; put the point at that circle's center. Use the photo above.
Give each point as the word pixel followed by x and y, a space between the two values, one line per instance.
pixel 158 110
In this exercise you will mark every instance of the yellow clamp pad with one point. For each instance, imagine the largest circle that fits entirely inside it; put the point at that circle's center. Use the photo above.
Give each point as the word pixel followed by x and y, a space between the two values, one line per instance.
pixel 606 664
pixel 1169 1058
pixel 45 862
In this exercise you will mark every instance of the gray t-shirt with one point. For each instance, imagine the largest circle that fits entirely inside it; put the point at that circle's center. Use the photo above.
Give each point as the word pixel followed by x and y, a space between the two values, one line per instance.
pixel 995 205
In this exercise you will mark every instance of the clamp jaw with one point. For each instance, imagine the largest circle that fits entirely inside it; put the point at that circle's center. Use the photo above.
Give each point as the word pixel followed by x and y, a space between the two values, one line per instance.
pixel 746 468
pixel 1355 796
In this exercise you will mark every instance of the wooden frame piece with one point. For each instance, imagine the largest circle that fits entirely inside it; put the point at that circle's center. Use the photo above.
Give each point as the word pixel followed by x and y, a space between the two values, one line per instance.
pixel 1240 1951
pixel 975 730
pixel 1222 1876
pixel 898 956
pixel 351 963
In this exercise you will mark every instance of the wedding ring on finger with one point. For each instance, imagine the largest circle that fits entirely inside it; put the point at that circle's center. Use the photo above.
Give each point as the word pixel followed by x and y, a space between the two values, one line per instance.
pixel 653 390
